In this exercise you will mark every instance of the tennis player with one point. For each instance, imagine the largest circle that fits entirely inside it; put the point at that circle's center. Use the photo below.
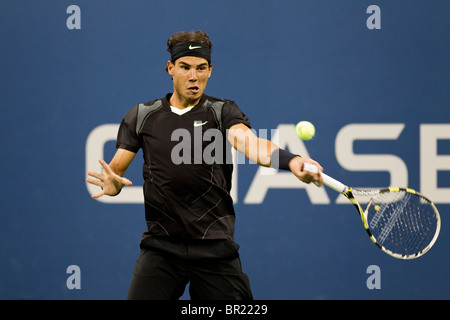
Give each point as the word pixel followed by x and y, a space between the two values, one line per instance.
pixel 188 208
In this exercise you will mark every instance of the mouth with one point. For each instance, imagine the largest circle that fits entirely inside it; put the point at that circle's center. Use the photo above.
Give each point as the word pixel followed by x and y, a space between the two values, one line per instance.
pixel 194 89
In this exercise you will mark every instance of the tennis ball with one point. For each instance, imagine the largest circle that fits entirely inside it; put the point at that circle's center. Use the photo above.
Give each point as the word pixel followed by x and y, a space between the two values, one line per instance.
pixel 305 130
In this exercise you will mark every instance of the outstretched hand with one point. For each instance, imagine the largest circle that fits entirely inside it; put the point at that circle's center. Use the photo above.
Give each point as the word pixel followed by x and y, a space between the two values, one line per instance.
pixel 110 182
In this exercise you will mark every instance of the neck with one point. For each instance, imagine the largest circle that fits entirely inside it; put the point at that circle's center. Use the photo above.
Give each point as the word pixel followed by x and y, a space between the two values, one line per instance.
pixel 181 103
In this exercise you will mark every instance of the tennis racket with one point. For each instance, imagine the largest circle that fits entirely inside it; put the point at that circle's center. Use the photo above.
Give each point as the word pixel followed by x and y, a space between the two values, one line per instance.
pixel 400 221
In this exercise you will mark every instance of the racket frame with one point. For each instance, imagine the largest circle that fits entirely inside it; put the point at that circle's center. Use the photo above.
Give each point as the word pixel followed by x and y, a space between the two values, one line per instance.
pixel 348 193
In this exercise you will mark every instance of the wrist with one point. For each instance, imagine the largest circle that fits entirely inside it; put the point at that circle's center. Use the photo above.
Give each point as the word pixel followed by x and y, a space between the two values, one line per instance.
pixel 113 195
pixel 280 159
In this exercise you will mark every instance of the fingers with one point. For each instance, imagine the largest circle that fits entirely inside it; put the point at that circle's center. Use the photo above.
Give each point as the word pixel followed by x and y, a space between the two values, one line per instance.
pixel 316 178
pixel 318 166
pixel 311 172
pixel 319 181
pixel 125 181
pixel 98 195
pixel 95 175
pixel 105 166
pixel 109 181
pixel 95 182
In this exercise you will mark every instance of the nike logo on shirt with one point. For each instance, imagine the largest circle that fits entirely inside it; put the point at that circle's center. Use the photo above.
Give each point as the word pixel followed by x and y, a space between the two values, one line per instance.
pixel 199 123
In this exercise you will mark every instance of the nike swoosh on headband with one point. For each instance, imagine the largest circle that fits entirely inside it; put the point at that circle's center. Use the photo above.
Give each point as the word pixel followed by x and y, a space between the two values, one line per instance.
pixel 194 47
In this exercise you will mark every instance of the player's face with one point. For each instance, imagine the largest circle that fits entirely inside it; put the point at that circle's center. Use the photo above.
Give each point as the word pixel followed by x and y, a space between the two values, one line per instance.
pixel 190 76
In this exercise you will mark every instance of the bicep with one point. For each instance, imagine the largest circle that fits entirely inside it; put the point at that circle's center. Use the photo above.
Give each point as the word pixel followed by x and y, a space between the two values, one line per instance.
pixel 121 160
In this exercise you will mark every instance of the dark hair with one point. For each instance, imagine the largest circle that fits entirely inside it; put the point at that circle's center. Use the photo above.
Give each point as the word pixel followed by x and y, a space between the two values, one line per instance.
pixel 187 36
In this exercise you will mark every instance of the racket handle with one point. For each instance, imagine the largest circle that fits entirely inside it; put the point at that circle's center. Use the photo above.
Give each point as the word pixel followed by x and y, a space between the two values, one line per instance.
pixel 327 180
pixel 310 168
pixel 334 184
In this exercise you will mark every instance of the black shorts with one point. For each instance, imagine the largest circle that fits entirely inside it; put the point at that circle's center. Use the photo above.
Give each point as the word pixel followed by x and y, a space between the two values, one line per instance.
pixel 211 267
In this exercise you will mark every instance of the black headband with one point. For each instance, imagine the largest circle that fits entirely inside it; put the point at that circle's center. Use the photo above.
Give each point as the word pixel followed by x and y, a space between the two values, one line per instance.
pixel 191 49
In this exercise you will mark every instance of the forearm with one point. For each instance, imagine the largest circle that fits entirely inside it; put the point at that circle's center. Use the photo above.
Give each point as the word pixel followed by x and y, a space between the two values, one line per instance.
pixel 266 153
pixel 121 160
pixel 255 149
pixel 261 152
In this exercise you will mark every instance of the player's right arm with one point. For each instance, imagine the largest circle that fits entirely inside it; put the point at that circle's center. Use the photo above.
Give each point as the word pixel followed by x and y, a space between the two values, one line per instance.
pixel 111 180
pixel 261 150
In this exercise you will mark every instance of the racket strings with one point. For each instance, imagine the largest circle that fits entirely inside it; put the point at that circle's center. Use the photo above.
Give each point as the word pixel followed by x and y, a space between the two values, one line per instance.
pixel 402 222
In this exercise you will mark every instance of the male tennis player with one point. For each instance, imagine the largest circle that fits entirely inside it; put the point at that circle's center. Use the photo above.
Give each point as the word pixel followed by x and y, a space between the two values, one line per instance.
pixel 188 208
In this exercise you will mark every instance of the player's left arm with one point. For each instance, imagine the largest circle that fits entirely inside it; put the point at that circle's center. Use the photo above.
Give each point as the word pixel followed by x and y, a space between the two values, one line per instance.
pixel 260 151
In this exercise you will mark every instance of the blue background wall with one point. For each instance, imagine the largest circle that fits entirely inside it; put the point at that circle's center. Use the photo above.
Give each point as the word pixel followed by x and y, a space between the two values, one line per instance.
pixel 282 62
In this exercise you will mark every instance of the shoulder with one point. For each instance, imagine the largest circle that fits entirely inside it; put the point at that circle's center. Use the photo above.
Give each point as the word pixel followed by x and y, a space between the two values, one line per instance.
pixel 152 103
pixel 220 105
pixel 211 100
pixel 136 116
pixel 230 113
pixel 143 108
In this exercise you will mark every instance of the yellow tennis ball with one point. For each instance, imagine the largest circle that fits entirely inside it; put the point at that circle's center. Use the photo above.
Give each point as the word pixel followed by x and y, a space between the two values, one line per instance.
pixel 305 130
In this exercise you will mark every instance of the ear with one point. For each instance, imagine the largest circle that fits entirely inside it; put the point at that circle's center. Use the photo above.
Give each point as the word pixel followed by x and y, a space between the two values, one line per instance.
pixel 169 67
pixel 210 70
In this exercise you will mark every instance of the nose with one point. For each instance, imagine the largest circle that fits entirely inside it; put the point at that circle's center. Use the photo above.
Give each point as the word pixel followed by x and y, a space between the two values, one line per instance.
pixel 193 75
